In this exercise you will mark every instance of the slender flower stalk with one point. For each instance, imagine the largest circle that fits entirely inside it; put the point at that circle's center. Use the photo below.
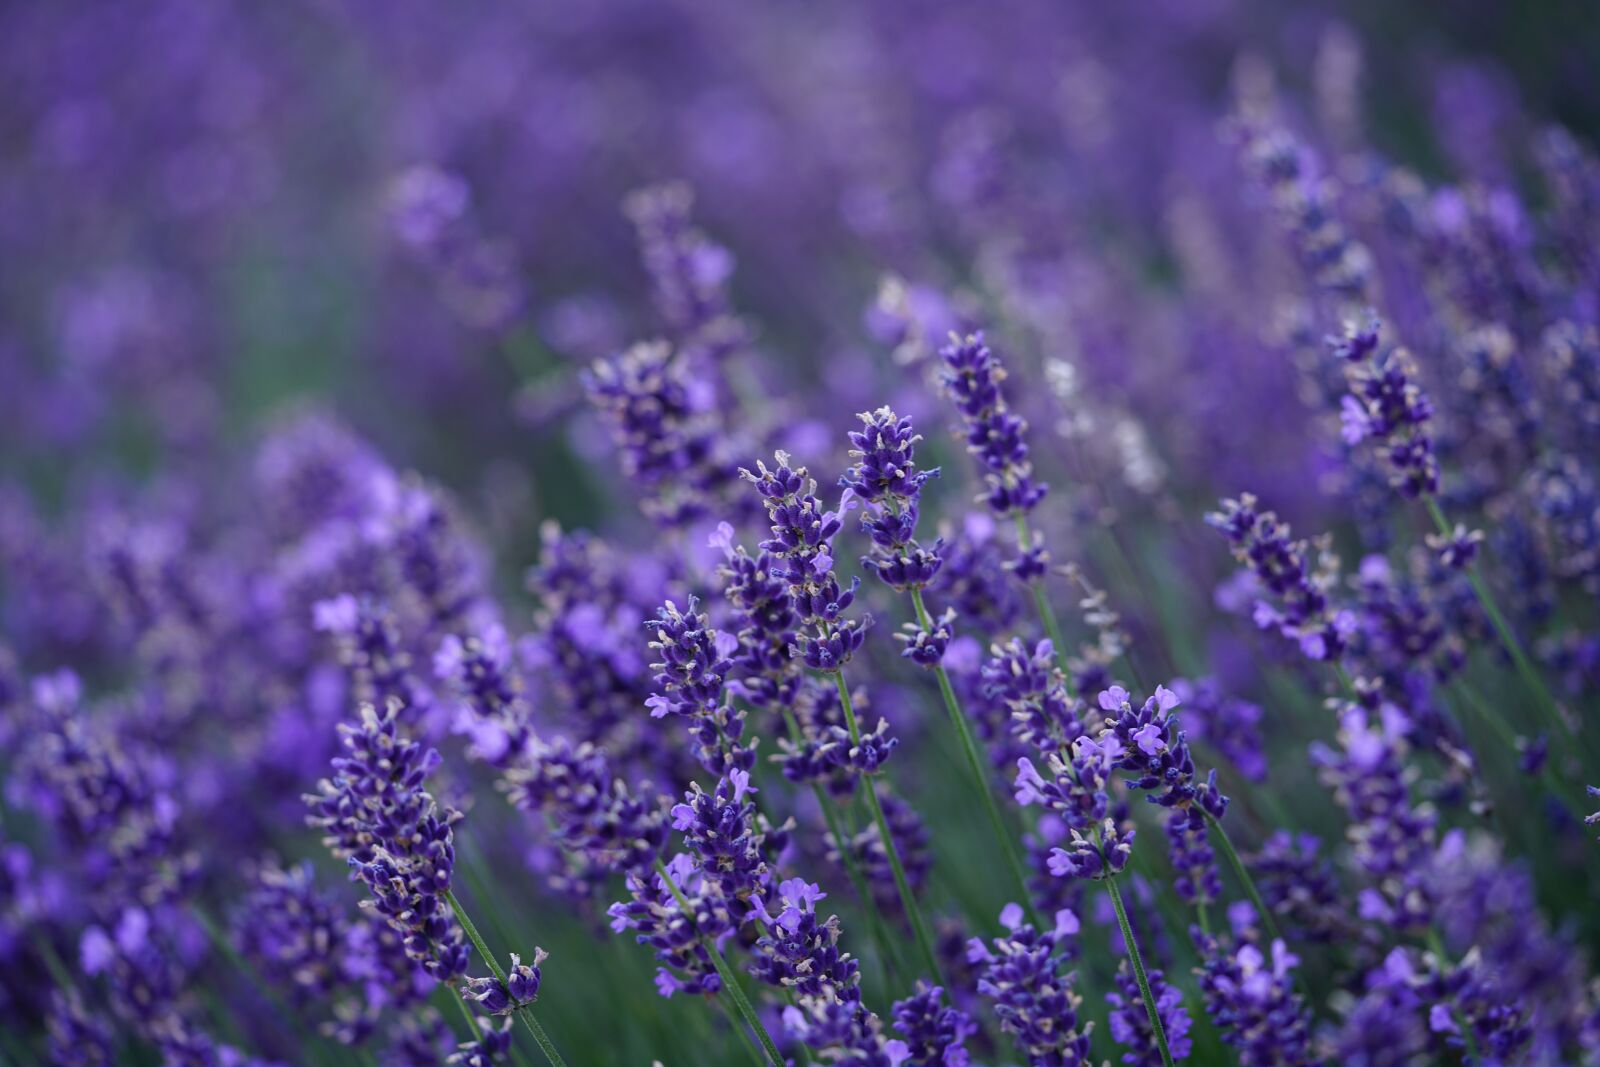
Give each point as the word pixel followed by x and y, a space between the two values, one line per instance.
pixel 730 981
pixel 1508 638
pixel 885 477
pixel 801 547
pixel 1152 1009
pixel 908 900
pixel 523 1009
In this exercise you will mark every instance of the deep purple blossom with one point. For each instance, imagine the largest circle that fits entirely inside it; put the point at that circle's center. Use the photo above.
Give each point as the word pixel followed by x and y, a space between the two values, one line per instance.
pixel 1021 973
pixel 1249 994
pixel 1130 1023
pixel 802 543
pixel 1386 405
pixel 1297 578
pixel 886 479
pixel 935 1033
pixel 379 816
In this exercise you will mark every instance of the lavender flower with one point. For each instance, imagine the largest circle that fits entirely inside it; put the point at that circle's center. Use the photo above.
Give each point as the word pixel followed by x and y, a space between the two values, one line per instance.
pixel 996 435
pixel 664 428
pixel 935 1033
pixel 294 931
pixel 1228 725
pixel 886 479
pixel 1297 581
pixel 479 669
pixel 1391 836
pixel 719 827
pixel 800 951
pixel 1298 884
pixel 802 544
pixel 1130 1023
pixel 593 812
pixel 1336 264
pixel 1249 994
pixel 1030 684
pixel 379 816
pixel 688 272
pixel 520 988
pixel 690 683
pixel 1386 405
pixel 679 940
pixel 77 1038
pixel 755 589
pixel 1034 1001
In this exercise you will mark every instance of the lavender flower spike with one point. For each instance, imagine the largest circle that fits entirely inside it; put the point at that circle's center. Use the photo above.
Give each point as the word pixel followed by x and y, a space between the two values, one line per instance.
pixel 997 437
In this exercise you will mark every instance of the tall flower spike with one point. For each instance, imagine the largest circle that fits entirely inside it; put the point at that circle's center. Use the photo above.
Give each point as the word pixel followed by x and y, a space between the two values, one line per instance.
pixel 690 679
pixel 1297 578
pixel 761 668
pixel 1249 994
pixel 799 950
pixel 885 477
pixel 1387 406
pixel 802 544
pixel 1035 1003
pixel 935 1033
pixel 996 436
pixel 664 428
pixel 379 816
pixel 479 669
pixel 1032 687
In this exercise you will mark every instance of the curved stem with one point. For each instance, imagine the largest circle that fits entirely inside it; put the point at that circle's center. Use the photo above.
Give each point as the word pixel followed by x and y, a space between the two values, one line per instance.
pixel 730 981
pixel 1508 638
pixel 1249 883
pixel 913 910
pixel 980 774
pixel 869 905
pixel 523 1012
pixel 1134 958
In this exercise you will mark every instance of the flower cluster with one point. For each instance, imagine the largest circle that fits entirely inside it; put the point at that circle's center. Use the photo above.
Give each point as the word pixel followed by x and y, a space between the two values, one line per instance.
pixel 690 682
pixel 802 547
pixel 664 427
pixel 1296 579
pixel 1250 996
pixel 1387 406
pixel 1034 1001
pixel 886 479
pixel 1130 1023
pixel 997 436
pixel 378 815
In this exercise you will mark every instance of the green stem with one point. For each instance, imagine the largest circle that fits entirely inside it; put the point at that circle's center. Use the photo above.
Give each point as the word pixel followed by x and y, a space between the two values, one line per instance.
pixel 980 775
pixel 524 1012
pixel 869 905
pixel 1041 603
pixel 891 850
pixel 788 994
pixel 1508 638
pixel 1243 872
pixel 1134 958
pixel 730 981
pixel 749 1043
pixel 466 1013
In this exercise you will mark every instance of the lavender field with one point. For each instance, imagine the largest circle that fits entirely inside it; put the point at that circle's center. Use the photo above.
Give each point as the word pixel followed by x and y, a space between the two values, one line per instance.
pixel 894 534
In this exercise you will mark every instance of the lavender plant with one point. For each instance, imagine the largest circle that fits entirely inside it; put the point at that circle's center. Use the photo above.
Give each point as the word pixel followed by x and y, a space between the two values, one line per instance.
pixel 374 388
